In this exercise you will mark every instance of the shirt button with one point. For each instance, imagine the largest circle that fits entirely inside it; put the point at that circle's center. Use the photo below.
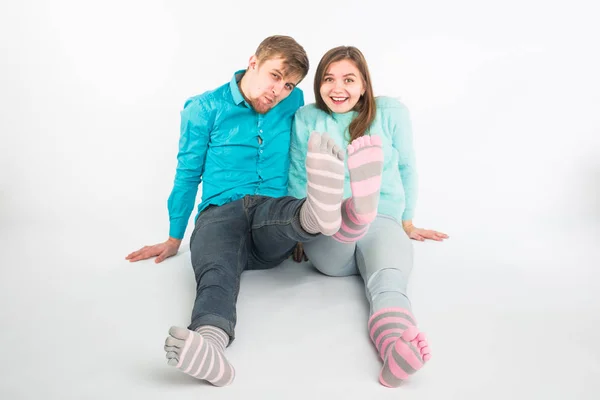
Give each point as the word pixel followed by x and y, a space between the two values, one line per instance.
pixel 260 151
pixel 260 130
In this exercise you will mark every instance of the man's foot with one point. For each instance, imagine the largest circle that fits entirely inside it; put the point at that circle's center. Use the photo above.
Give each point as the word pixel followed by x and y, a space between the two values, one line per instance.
pixel 320 213
pixel 200 354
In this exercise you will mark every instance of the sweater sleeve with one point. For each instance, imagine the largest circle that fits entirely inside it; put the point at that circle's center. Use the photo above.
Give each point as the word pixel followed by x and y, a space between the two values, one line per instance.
pixel 298 150
pixel 403 143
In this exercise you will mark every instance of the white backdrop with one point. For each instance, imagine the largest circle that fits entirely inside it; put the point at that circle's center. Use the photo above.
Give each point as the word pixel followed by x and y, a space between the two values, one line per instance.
pixel 504 100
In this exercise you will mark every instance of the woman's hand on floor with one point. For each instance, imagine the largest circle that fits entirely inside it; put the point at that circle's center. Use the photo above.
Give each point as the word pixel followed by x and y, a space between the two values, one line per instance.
pixel 421 235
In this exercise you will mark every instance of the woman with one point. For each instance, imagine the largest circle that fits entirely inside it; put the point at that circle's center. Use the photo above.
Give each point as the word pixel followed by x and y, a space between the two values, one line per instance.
pixel 380 195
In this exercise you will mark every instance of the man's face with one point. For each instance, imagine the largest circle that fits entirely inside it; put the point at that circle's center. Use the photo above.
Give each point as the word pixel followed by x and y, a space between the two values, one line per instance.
pixel 266 85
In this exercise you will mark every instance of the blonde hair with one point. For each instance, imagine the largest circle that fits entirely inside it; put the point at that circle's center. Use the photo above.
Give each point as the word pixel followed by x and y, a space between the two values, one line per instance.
pixel 295 60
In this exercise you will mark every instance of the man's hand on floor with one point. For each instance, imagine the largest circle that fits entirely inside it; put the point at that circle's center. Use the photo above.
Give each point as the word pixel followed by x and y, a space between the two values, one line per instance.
pixel 161 251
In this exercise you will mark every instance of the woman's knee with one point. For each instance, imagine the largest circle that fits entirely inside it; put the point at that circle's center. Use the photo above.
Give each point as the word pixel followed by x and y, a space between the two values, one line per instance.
pixel 331 258
pixel 335 269
pixel 387 280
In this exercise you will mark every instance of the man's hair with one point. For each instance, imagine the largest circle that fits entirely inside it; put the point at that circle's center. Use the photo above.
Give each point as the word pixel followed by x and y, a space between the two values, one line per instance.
pixel 295 60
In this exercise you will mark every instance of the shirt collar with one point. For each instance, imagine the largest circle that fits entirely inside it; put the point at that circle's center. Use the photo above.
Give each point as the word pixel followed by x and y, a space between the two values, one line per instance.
pixel 235 90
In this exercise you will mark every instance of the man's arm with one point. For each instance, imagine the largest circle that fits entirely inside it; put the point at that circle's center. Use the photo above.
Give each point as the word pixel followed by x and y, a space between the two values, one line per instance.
pixel 196 124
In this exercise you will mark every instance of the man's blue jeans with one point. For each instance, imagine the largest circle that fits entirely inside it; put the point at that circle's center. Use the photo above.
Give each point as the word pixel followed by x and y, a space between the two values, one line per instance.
pixel 255 232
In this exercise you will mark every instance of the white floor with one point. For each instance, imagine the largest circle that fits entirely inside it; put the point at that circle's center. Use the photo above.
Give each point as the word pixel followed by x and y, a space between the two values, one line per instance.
pixel 508 317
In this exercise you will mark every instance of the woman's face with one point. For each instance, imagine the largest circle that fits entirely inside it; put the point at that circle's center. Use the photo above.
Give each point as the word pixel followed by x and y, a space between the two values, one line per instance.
pixel 342 86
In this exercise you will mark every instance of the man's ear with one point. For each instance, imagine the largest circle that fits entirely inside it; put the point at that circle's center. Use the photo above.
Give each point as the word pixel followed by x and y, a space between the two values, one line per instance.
pixel 253 62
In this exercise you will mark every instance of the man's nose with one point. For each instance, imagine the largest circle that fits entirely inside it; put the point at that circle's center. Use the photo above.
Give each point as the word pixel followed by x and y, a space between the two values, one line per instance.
pixel 278 87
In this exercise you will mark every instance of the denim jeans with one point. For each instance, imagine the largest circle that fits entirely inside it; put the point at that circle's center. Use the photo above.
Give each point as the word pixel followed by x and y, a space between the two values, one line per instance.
pixel 255 232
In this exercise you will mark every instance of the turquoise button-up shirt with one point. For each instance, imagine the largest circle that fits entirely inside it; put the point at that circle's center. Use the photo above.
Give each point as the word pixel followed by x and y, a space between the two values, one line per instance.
pixel 231 149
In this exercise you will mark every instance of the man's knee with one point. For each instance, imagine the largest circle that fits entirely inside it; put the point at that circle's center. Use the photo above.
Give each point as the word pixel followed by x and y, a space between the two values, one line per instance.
pixel 215 276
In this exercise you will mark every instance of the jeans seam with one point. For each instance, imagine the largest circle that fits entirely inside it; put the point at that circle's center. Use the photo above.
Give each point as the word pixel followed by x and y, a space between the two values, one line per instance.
pixel 238 274
pixel 273 222
pixel 295 220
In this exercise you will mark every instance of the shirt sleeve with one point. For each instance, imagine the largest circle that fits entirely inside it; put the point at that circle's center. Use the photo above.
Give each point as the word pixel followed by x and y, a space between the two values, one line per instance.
pixel 403 143
pixel 298 150
pixel 193 145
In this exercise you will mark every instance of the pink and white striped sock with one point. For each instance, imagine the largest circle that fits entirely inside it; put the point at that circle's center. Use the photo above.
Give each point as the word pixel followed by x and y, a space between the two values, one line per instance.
pixel 365 165
pixel 403 349
pixel 200 354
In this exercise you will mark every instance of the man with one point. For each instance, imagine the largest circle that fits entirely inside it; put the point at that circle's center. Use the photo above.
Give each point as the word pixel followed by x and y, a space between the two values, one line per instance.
pixel 235 140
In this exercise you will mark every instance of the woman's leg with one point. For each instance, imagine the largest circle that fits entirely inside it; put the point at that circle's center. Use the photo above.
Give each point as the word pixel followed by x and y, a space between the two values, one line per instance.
pixel 385 260
pixel 332 257
pixel 365 165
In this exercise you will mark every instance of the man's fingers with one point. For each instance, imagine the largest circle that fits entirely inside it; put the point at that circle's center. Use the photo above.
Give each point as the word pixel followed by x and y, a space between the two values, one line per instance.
pixel 168 252
pixel 161 257
pixel 161 251
pixel 138 252
pixel 134 254
pixel 143 254
pixel 298 253
pixel 135 257
pixel 138 258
